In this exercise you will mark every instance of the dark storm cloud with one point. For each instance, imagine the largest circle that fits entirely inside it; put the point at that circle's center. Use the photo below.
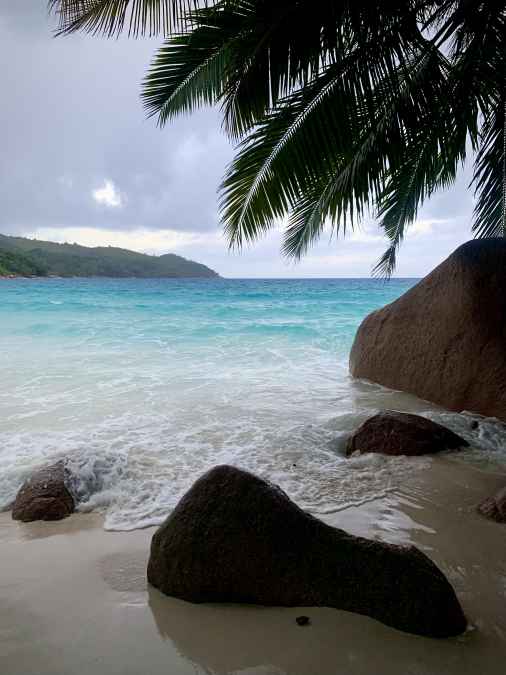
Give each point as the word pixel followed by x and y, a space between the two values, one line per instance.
pixel 72 121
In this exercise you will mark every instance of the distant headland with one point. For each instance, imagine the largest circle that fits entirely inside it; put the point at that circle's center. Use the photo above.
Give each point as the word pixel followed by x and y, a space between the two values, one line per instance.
pixel 21 257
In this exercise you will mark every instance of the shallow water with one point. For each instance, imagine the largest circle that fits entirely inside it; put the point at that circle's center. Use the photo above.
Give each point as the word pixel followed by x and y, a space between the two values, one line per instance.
pixel 95 613
pixel 144 384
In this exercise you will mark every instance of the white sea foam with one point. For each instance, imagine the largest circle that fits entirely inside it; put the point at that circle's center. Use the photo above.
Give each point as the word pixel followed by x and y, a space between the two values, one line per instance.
pixel 141 395
pixel 135 470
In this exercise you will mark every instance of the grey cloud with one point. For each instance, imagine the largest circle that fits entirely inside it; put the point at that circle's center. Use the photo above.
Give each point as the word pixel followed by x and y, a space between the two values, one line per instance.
pixel 73 118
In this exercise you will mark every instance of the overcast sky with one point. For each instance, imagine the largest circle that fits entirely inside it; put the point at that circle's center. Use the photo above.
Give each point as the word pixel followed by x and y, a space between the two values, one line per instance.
pixel 81 163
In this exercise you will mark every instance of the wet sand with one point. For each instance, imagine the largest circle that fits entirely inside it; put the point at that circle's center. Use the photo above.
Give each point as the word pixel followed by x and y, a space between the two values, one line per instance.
pixel 74 600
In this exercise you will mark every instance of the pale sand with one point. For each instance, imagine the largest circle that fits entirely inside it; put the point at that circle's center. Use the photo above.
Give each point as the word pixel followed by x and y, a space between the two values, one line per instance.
pixel 73 599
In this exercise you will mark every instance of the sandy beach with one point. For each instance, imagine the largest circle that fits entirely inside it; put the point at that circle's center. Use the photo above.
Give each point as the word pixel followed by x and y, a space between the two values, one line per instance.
pixel 253 338
pixel 74 598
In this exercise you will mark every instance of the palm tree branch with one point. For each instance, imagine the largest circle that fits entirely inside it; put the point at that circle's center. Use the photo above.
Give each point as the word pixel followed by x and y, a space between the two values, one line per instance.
pixel 112 17
pixel 186 72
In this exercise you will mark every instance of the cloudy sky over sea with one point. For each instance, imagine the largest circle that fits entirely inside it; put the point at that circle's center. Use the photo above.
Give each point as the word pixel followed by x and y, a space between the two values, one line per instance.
pixel 81 163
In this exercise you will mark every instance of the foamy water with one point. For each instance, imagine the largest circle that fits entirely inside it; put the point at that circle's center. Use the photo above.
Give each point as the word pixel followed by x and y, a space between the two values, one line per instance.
pixel 144 384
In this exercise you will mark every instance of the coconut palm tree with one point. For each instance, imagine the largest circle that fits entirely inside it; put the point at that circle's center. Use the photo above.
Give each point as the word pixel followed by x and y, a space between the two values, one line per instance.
pixel 338 107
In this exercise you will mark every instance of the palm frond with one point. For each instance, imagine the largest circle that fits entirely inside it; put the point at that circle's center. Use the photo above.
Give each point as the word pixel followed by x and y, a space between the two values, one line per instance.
pixel 186 73
pixel 335 116
pixel 289 149
pixel 489 178
pixel 338 107
pixel 427 168
pixel 112 17
pixel 480 68
pixel 360 175
pixel 307 220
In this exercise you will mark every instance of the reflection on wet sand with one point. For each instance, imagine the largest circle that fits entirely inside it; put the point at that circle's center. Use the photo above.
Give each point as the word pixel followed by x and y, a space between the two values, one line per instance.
pixel 236 639
pixel 438 516
pixel 80 604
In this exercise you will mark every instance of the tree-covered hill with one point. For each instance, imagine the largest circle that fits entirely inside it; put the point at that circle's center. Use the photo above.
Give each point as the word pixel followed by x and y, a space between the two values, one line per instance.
pixel 32 257
pixel 16 264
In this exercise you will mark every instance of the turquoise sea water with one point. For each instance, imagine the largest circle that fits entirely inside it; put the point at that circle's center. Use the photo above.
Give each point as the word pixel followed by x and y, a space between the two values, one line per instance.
pixel 144 384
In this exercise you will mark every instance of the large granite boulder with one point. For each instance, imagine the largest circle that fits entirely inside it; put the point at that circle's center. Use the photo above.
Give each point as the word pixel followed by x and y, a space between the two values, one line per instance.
pixel 395 433
pixel 444 340
pixel 494 507
pixel 236 538
pixel 44 496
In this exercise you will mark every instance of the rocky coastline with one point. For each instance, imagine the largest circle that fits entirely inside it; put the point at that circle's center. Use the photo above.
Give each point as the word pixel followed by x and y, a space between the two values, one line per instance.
pixel 234 537
pixel 223 562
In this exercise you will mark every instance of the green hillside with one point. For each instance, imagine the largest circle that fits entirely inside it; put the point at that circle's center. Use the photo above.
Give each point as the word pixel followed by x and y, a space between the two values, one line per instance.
pixel 20 265
pixel 32 257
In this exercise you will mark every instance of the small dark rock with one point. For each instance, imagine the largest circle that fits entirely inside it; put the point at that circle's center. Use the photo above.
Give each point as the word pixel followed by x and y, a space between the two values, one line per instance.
pixel 474 424
pixel 303 620
pixel 234 537
pixel 494 507
pixel 44 496
pixel 395 433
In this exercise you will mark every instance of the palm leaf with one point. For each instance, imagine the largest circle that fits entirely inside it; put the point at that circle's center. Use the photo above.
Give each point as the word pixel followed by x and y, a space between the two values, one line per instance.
pixel 361 174
pixel 489 177
pixel 307 220
pixel 427 168
pixel 186 73
pixel 304 137
pixel 112 17
pixel 288 149
pixel 338 106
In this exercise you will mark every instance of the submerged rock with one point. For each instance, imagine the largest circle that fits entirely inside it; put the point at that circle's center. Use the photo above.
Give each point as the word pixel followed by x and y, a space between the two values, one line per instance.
pixel 303 620
pixel 395 433
pixel 494 507
pixel 236 538
pixel 44 496
pixel 444 340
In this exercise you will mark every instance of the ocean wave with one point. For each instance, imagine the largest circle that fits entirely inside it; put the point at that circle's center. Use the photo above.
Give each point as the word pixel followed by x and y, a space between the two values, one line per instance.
pixel 135 474
pixel 143 386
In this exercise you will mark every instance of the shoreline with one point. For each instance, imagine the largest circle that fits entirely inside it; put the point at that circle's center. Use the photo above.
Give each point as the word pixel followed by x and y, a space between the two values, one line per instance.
pixel 55 276
pixel 75 599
